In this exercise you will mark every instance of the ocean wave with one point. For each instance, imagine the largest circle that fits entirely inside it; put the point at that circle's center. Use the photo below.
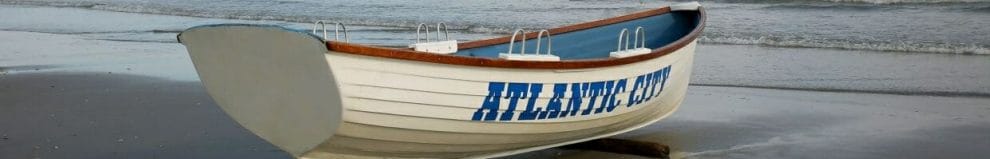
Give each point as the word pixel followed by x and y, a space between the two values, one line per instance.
pixel 268 14
pixel 876 2
pixel 919 47
pixel 856 5
pixel 906 1
pixel 712 35
pixel 158 10
pixel 980 9
pixel 53 4
pixel 349 21
pixel 852 90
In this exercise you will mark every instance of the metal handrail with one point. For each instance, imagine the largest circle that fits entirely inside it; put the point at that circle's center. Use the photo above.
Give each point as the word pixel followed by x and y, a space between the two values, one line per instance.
pixel 421 26
pixel 512 41
pixel 336 30
pixel 336 33
pixel 640 34
pixel 539 39
pixel 445 33
pixel 321 23
pixel 624 32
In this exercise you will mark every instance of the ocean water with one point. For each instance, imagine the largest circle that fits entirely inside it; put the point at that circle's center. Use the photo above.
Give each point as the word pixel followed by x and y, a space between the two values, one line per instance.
pixel 773 78
pixel 902 26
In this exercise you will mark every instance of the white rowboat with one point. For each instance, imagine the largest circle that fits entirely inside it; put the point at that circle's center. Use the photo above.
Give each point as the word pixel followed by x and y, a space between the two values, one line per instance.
pixel 316 99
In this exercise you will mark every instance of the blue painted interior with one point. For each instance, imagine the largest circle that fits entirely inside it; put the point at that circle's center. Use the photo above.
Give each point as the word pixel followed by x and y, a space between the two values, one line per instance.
pixel 599 41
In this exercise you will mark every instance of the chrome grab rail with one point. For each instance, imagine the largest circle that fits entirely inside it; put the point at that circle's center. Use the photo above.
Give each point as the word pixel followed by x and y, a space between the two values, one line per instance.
pixel 321 23
pixel 539 39
pixel 336 30
pixel 640 34
pixel 423 26
pixel 625 33
pixel 512 41
pixel 420 27
pixel 336 33
pixel 445 33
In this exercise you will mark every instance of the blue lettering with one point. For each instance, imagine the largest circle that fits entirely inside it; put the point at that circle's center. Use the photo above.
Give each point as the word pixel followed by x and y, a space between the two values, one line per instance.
pixel 594 91
pixel 666 75
pixel 553 107
pixel 633 99
pixel 491 102
pixel 646 84
pixel 620 87
pixel 607 98
pixel 656 80
pixel 516 91
pixel 643 88
pixel 574 104
pixel 534 93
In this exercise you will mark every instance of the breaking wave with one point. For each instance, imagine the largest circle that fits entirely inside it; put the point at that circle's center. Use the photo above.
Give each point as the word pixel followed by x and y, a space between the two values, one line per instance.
pixel 848 44
pixel 853 90
pixel 143 9
pixel 879 2
pixel 711 36
pixel 906 1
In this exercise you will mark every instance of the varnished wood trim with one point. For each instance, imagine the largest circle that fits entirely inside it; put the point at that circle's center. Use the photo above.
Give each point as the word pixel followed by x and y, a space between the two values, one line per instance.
pixel 407 54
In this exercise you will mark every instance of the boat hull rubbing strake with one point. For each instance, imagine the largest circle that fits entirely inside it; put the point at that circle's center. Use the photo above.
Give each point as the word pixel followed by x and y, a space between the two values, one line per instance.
pixel 274 82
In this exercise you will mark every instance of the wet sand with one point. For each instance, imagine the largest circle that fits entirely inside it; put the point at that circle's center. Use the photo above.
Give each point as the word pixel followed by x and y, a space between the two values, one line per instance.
pixel 76 96
pixel 101 115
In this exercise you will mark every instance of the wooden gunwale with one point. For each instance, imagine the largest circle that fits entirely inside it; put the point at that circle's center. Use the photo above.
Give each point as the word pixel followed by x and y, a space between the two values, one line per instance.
pixel 407 54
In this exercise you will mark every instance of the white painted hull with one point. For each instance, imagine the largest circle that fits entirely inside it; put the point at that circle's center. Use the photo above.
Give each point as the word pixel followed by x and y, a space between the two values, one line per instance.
pixel 289 89
pixel 419 109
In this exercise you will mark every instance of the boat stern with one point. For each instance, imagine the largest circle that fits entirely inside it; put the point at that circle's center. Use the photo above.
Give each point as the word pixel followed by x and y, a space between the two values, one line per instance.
pixel 273 81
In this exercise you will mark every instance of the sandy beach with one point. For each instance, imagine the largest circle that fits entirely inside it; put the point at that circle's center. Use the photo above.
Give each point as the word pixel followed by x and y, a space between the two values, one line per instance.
pixel 79 89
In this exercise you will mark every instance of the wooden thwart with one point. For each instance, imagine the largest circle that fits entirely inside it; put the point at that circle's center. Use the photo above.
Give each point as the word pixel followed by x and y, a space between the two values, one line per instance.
pixel 623 146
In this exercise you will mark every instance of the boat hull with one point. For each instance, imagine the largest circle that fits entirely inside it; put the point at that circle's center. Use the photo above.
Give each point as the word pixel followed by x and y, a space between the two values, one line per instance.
pixel 317 99
pixel 405 108
pixel 274 82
